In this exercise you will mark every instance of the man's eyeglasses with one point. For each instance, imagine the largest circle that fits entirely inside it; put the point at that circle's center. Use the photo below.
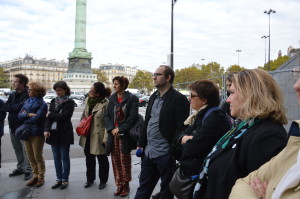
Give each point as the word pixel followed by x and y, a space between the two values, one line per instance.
pixel 156 74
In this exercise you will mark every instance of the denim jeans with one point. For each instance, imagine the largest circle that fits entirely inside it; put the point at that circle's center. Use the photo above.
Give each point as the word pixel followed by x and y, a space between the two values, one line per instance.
pixel 62 162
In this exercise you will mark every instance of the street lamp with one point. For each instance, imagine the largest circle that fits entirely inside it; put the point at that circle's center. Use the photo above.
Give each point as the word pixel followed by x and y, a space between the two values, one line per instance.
pixel 202 61
pixel 238 51
pixel 265 37
pixel 172 53
pixel 269 13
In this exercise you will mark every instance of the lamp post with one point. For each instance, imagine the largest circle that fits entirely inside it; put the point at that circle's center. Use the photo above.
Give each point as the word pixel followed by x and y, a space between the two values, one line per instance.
pixel 202 61
pixel 172 53
pixel 265 37
pixel 269 12
pixel 238 51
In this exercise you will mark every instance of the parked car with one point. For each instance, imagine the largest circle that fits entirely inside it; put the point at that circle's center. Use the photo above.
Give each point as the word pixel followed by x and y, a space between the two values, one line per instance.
pixel 78 102
pixel 77 95
pixel 48 98
pixel 84 93
pixel 143 101
pixel 4 98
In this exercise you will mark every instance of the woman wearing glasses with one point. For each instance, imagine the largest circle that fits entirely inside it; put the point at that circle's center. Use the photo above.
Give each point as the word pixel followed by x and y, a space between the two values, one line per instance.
pixel 122 112
pixel 206 126
pixel 33 113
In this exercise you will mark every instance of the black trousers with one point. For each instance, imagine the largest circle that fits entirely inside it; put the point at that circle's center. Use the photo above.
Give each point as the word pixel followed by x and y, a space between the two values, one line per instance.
pixel 90 161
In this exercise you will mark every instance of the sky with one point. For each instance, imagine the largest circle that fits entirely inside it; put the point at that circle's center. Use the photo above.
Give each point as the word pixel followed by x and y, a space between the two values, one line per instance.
pixel 138 32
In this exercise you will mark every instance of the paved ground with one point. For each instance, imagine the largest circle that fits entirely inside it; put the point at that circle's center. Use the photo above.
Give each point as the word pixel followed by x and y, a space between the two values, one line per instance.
pixel 15 187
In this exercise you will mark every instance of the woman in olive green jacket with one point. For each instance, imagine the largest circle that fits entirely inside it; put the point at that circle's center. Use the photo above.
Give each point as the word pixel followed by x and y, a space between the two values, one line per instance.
pixel 93 143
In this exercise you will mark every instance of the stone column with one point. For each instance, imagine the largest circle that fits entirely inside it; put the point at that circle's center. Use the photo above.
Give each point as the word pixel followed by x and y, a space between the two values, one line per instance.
pixel 79 50
pixel 80 58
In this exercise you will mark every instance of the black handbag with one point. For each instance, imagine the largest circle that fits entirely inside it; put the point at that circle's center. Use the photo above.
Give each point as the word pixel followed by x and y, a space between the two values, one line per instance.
pixel 23 132
pixel 182 186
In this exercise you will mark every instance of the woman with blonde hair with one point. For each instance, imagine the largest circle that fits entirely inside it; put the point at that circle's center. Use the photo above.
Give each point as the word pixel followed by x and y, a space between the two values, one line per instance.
pixel 33 113
pixel 255 99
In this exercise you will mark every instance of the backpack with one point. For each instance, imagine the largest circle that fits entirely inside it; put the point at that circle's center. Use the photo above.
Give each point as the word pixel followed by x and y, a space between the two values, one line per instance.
pixel 135 130
pixel 230 120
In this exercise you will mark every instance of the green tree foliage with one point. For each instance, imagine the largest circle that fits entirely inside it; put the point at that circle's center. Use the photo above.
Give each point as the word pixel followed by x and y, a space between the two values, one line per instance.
pixel 142 81
pixel 189 74
pixel 213 71
pixel 101 76
pixel 274 64
pixel 193 73
pixel 4 79
pixel 234 68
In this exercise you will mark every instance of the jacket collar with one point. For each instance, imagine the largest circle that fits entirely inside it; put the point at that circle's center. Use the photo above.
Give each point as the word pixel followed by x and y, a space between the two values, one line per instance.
pixel 100 105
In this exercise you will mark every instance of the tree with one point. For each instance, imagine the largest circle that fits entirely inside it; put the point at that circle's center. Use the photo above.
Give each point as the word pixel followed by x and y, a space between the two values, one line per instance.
pixel 274 64
pixel 234 68
pixel 213 71
pixel 142 80
pixel 4 80
pixel 101 76
pixel 186 75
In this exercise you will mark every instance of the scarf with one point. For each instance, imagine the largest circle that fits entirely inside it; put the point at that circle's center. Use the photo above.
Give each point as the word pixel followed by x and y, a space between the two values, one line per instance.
pixel 191 119
pixel 92 101
pixel 59 100
pixel 228 140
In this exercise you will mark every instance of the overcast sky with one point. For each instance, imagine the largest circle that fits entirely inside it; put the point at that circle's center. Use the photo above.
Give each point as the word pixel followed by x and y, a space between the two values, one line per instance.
pixel 137 32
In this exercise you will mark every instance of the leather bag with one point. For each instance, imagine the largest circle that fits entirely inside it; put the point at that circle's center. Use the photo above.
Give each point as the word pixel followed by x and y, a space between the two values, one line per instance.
pixel 83 128
pixel 182 186
pixel 23 132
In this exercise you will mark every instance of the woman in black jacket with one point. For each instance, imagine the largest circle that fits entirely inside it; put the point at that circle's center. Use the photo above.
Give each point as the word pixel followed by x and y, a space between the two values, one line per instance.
pixel 121 115
pixel 59 132
pixel 255 99
pixel 206 126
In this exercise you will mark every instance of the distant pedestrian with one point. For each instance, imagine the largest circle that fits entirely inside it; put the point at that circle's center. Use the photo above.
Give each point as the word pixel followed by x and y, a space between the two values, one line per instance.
pixel 59 132
pixel 94 142
pixel 225 106
pixel 2 118
pixel 121 115
pixel 33 113
pixel 13 106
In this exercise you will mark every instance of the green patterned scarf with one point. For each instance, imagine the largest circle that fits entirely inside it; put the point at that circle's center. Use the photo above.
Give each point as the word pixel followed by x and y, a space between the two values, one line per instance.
pixel 93 101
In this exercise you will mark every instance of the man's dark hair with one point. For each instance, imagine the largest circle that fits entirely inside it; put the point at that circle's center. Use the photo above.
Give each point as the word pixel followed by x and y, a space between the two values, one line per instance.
pixel 123 81
pixel 63 85
pixel 169 71
pixel 22 79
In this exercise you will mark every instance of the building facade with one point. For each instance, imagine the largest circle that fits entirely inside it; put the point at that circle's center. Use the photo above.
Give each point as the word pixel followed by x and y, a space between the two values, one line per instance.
pixel 46 71
pixel 113 70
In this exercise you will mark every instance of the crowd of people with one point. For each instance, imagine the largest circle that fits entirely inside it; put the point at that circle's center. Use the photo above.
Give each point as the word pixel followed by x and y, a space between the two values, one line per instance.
pixel 252 157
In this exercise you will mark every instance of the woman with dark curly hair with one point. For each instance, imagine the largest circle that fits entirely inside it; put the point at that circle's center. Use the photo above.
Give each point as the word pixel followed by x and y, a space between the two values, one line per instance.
pixel 93 143
pixel 33 113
